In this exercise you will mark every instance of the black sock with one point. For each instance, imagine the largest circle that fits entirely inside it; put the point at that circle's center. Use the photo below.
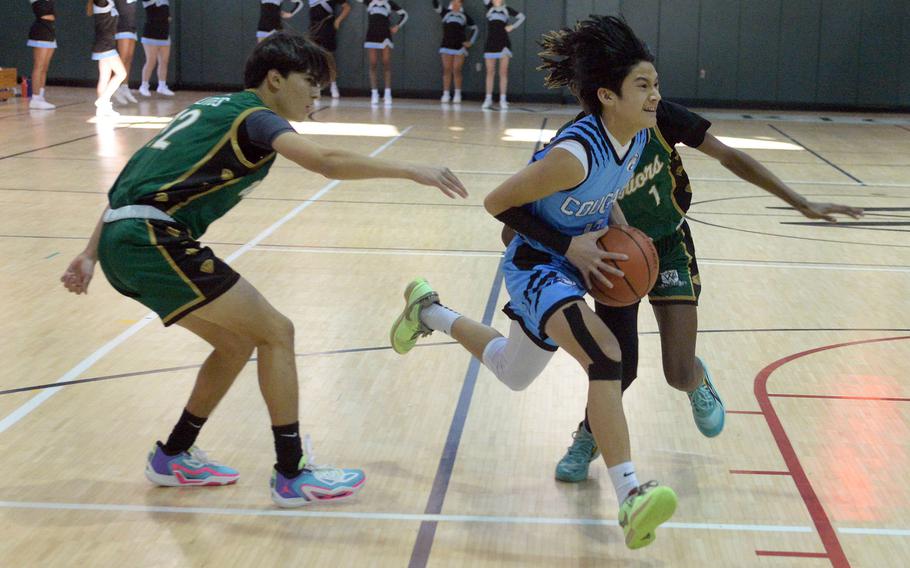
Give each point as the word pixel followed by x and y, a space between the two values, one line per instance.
pixel 585 423
pixel 288 449
pixel 184 434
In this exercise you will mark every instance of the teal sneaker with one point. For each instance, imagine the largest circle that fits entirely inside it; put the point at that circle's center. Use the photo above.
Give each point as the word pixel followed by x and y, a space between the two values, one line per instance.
pixel 573 467
pixel 314 483
pixel 647 507
pixel 408 327
pixel 707 407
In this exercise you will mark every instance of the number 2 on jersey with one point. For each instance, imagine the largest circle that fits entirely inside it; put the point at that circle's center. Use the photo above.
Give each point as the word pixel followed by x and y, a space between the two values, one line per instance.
pixel 181 121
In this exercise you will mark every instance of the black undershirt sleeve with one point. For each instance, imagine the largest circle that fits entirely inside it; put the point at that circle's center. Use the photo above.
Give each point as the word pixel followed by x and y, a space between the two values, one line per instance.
pixel 523 221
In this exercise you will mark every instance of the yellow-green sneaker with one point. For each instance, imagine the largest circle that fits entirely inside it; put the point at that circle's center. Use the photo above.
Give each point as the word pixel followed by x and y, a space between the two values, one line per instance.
pixel 408 327
pixel 647 507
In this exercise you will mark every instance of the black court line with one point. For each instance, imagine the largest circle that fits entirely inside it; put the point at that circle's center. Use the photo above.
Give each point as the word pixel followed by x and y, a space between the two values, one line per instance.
pixel 819 156
pixel 902 127
pixel 29 111
pixel 119 127
pixel 796 237
pixel 867 209
pixel 147 372
pixel 420 554
pixel 849 224
pixel 185 367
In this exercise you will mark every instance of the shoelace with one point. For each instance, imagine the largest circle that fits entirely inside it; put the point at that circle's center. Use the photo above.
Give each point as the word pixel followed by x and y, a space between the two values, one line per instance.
pixel 200 457
pixel 702 400
pixel 581 449
pixel 311 464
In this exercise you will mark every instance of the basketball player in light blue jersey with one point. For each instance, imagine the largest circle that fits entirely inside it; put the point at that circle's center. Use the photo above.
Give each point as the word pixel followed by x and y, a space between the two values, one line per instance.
pixel 573 184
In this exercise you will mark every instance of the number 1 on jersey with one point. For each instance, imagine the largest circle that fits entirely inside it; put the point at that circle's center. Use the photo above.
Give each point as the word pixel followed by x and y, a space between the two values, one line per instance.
pixel 653 191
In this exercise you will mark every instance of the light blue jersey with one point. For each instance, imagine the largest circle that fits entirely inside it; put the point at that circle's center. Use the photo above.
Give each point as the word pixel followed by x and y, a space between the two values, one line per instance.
pixel 587 206
pixel 539 280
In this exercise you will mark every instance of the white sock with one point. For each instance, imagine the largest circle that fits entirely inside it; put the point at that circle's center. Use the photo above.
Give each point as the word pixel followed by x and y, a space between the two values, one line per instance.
pixel 387 93
pixel 41 93
pixel 502 98
pixel 458 92
pixel 439 318
pixel 624 480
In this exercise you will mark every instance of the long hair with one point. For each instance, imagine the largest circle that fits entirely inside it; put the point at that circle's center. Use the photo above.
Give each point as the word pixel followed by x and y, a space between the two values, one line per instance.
pixel 286 52
pixel 598 53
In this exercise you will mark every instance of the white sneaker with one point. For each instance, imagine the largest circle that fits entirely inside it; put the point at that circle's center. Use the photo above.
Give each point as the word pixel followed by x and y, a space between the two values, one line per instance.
pixel 144 90
pixel 334 90
pixel 387 97
pixel 503 103
pixel 374 98
pixel 128 94
pixel 118 96
pixel 487 102
pixel 104 109
pixel 445 97
pixel 163 90
pixel 456 98
pixel 38 103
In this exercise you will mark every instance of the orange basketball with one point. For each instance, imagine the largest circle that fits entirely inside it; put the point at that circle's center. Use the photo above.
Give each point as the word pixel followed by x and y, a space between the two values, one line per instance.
pixel 640 270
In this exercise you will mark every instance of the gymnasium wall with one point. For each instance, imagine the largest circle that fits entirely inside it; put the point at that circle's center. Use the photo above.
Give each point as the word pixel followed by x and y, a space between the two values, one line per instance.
pixel 849 53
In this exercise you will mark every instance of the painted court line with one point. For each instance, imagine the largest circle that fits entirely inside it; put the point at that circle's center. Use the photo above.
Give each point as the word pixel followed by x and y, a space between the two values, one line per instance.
pixel 36 401
pixel 411 517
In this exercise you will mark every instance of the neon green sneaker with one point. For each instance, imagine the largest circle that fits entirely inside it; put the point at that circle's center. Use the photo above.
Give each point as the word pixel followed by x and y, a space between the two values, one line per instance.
pixel 408 327
pixel 573 467
pixel 647 507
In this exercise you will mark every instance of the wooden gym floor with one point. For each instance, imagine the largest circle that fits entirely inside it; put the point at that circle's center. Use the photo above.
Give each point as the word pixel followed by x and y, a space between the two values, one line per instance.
pixel 805 328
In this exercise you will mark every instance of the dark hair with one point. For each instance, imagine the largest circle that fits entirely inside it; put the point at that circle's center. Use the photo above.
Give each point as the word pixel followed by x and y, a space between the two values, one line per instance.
pixel 287 53
pixel 599 52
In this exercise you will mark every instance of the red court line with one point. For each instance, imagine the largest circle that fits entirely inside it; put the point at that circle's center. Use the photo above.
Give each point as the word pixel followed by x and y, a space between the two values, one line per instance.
pixel 758 472
pixel 796 554
pixel 743 412
pixel 840 397
pixel 822 524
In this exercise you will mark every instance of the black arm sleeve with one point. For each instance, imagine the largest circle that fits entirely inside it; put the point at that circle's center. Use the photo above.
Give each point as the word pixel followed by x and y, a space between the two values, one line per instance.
pixel 523 221
pixel 679 124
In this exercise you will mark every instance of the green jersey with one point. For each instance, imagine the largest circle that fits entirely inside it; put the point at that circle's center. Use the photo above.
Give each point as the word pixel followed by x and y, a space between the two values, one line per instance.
pixel 656 198
pixel 199 167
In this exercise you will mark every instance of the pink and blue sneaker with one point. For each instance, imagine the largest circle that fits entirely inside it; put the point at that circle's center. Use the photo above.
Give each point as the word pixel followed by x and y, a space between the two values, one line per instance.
pixel 191 467
pixel 314 483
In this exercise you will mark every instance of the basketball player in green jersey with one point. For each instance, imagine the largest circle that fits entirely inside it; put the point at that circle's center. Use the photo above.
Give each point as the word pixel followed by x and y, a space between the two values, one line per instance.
pixel 655 200
pixel 207 159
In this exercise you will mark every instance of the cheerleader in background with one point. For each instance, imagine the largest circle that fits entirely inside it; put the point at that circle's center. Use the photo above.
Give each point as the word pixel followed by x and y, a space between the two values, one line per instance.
pixel 498 48
pixel 111 72
pixel 455 43
pixel 379 39
pixel 42 38
pixel 126 45
pixel 324 27
pixel 271 14
pixel 156 41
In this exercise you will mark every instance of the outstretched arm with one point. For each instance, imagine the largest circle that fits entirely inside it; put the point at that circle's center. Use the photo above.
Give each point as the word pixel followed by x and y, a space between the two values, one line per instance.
pixel 345 12
pixel 79 273
pixel 749 169
pixel 341 164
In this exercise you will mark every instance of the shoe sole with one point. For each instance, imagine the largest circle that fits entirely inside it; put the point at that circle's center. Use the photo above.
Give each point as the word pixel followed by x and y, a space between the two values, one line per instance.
pixel 328 497
pixel 175 481
pixel 659 506
pixel 407 308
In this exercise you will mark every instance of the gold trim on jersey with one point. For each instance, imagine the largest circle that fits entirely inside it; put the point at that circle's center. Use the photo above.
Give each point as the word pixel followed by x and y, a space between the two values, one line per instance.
pixel 230 135
pixel 235 142
pixel 670 167
pixel 199 295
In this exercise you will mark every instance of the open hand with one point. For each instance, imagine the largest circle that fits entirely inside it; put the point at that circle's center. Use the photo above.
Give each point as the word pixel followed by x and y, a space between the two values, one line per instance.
pixel 826 211
pixel 443 178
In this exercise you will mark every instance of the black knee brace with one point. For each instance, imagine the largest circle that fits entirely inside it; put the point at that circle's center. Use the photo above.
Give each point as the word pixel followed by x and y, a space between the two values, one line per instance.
pixel 602 368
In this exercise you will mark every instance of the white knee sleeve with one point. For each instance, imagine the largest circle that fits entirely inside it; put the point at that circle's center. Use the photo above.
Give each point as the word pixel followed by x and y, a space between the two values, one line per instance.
pixel 515 361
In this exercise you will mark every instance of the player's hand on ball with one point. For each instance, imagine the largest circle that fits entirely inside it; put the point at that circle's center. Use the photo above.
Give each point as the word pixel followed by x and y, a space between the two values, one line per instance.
pixel 826 211
pixel 591 260
pixel 78 274
pixel 443 178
